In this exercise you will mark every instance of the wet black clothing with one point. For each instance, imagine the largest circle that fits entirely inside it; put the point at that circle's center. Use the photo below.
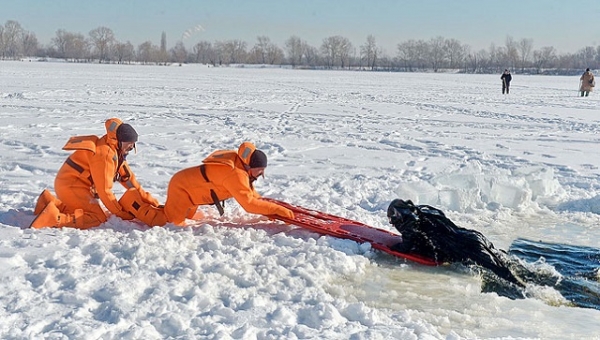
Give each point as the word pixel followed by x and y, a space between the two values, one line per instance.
pixel 426 231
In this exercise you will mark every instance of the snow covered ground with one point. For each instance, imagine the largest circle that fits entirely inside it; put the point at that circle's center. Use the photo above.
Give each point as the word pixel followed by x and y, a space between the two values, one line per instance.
pixel 347 143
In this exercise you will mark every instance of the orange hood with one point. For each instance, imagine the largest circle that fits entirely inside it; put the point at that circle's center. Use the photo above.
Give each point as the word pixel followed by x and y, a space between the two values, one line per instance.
pixel 245 151
pixel 230 157
pixel 111 125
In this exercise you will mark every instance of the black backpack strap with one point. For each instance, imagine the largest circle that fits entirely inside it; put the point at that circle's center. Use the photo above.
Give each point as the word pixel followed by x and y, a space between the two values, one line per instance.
pixel 216 202
pixel 203 172
pixel 213 194
pixel 78 168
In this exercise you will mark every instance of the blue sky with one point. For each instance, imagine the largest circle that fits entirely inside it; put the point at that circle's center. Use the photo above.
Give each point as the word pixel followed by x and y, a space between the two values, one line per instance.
pixel 566 25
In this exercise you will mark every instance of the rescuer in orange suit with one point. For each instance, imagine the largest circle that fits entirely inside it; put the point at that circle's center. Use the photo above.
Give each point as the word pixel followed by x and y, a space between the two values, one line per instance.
pixel 222 175
pixel 88 174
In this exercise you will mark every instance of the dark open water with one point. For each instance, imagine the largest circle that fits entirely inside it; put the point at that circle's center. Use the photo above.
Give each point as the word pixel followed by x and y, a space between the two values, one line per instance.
pixel 576 272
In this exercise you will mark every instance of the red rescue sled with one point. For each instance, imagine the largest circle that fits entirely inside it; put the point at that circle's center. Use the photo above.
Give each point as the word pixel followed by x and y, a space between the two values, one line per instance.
pixel 326 224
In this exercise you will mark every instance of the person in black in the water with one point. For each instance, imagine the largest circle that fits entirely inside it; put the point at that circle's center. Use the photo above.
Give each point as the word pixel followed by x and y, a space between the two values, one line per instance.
pixel 506 78
pixel 427 232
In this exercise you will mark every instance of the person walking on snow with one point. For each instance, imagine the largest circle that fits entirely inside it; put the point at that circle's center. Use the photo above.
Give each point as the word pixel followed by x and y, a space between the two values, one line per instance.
pixel 506 78
pixel 88 174
pixel 587 82
pixel 222 175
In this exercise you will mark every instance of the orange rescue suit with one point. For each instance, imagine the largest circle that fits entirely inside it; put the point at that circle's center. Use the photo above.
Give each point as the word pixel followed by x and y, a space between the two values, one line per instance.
pixel 90 171
pixel 227 176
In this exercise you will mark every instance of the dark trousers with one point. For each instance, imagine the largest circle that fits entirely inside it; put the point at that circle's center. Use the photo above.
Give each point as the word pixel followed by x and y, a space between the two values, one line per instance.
pixel 505 87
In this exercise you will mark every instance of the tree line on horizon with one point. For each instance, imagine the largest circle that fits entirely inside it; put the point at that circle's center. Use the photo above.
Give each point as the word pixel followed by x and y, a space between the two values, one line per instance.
pixel 438 54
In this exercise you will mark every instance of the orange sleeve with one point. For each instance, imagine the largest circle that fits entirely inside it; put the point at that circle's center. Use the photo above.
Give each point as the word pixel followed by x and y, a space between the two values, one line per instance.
pixel 102 169
pixel 129 181
pixel 239 186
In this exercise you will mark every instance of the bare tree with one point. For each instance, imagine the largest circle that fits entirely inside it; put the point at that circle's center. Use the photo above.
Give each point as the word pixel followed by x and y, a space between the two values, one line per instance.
pixel 294 50
pixel 422 54
pixel 179 53
pixel 30 44
pixel 61 41
pixel 330 51
pixel 204 53
pixel 220 52
pixel 384 62
pixel 233 51
pixel 11 42
pixel 80 47
pixel 336 51
pixel 310 53
pixel 415 55
pixel 346 50
pixel 70 45
pixel 407 54
pixel 238 49
pixel 436 55
pixel 498 59
pixel 148 53
pixel 369 52
pixel 473 62
pixel 102 39
pixel 275 55
pixel 265 52
pixel 586 57
pixel 455 52
pixel 525 46
pixel 511 52
pixel 261 47
pixel 485 61
pixel 124 52
pixel 544 57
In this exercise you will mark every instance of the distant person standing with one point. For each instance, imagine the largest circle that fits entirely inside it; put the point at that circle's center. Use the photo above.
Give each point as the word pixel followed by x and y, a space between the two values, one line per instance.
pixel 506 78
pixel 587 82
